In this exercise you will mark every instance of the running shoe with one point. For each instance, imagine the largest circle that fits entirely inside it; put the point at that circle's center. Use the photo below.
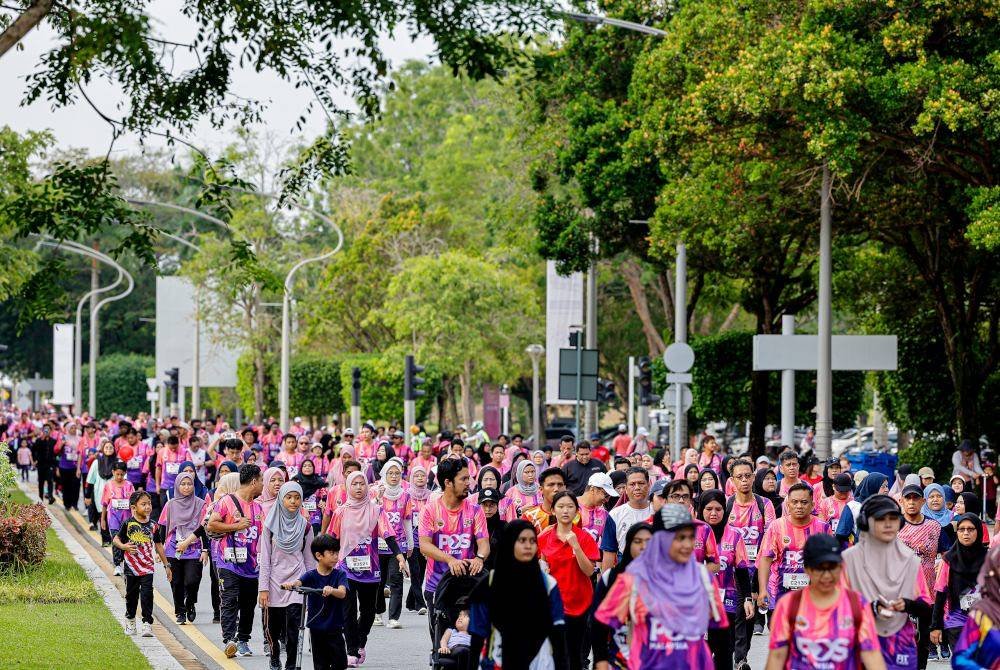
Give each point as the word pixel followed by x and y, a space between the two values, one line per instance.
pixel 181 619
pixel 378 620
pixel 352 661
pixel 945 653
pixel 130 626
pixel 147 629
pixel 743 665
pixel 243 649
pixel 758 629
pixel 385 592
pixel 216 618
pixel 423 611
pixel 275 665
pixel 394 624
pixel 361 656
pixel 191 614
pixel 229 648
pixel 267 648
pixel 932 655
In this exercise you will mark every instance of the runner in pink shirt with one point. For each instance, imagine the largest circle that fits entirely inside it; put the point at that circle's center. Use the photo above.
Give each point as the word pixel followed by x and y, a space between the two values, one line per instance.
pixel 523 494
pixel 780 562
pixel 830 508
pixel 823 626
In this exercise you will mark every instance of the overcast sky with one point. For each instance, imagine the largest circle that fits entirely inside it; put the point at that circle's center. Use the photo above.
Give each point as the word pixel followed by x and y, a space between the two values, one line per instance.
pixel 80 127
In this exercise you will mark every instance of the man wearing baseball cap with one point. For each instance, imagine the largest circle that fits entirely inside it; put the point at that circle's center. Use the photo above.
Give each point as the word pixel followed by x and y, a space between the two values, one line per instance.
pixel 921 534
pixel 593 515
pixel 823 620
pixel 926 476
pixel 830 508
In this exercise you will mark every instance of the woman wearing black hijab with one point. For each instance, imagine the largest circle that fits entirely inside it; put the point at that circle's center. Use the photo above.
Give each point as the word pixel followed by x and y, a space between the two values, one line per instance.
pixel 379 463
pixel 828 478
pixel 602 642
pixel 772 495
pixel 963 562
pixel 522 605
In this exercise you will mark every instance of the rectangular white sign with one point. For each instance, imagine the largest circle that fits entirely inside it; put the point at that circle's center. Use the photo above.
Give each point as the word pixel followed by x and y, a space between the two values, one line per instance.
pixel 175 329
pixel 563 308
pixel 62 363
pixel 800 352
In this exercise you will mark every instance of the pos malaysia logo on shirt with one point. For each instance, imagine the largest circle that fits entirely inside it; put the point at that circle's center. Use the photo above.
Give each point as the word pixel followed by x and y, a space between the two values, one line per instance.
pixel 454 542
pixel 824 653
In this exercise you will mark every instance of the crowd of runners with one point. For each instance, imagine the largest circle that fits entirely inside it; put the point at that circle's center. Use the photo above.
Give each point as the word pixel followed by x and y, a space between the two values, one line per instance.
pixel 611 556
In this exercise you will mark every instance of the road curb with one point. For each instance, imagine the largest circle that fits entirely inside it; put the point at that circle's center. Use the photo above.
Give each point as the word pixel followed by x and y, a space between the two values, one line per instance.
pixel 151 647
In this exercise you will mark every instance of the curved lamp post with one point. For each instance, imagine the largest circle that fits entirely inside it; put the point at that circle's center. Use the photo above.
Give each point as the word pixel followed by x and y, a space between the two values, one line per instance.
pixel 536 351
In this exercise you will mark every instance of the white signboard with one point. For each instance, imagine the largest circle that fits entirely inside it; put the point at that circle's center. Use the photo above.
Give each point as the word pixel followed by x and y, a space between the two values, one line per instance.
pixel 175 329
pixel 563 308
pixel 62 364
pixel 849 352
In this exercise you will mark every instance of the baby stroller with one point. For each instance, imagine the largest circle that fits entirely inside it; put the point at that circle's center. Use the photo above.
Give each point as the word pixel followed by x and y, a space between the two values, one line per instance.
pixel 453 594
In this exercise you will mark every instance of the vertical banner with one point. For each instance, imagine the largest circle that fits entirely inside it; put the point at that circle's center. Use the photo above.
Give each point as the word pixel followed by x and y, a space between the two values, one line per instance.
pixel 563 308
pixel 62 364
pixel 491 410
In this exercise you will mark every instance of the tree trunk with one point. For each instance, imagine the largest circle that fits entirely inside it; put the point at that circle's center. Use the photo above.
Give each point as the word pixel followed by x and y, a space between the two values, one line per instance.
pixel 452 419
pixel 23 24
pixel 465 380
pixel 760 382
pixel 633 277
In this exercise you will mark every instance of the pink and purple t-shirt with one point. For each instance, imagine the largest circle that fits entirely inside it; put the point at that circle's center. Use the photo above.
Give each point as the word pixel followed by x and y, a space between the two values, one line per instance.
pixel 115 500
pixel 784 543
pixel 237 551
pixel 593 520
pixel 361 564
pixel 454 532
pixel 823 639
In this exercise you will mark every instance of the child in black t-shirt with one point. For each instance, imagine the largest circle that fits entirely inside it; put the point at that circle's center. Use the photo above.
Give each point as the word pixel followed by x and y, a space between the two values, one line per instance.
pixel 137 538
pixel 325 613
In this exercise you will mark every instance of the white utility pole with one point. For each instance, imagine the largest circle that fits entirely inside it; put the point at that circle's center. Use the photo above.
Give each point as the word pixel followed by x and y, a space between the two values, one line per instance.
pixel 824 366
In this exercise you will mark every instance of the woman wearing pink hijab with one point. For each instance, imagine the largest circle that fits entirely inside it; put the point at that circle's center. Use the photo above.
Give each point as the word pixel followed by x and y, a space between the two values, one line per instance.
pixel 359 523
pixel 273 479
pixel 336 476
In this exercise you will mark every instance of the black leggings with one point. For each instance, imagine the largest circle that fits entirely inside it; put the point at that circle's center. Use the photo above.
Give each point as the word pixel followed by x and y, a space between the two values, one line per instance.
pixel 184 583
pixel 70 483
pixel 720 642
pixel 415 594
pixel 393 577
pixel 283 629
pixel 360 614
pixel 577 641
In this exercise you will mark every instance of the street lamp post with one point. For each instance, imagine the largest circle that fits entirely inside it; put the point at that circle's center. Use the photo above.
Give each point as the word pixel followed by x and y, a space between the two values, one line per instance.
pixel 94 335
pixel 536 351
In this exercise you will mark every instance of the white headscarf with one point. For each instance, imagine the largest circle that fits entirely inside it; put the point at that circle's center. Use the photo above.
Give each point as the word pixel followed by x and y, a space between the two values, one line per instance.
pixel 287 528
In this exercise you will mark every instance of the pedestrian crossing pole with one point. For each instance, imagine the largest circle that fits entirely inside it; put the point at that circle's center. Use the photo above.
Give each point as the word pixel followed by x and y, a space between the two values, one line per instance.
pixel 356 399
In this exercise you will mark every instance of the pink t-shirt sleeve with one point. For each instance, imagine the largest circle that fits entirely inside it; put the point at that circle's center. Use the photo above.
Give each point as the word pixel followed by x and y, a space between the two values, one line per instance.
pixel 779 625
pixel 711 549
pixel 613 611
pixel 941 583
pixel 426 523
pixel 479 524
pixel 106 497
pixel 920 589
pixel 867 636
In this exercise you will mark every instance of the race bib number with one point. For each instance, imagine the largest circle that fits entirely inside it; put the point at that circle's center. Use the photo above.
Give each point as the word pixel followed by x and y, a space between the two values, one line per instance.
pixel 119 503
pixel 309 505
pixel 134 463
pixel 383 545
pixel 72 456
pixel 793 581
pixel 235 555
pixel 292 470
pixel 752 552
pixel 179 537
pixel 968 600
pixel 172 468
pixel 359 563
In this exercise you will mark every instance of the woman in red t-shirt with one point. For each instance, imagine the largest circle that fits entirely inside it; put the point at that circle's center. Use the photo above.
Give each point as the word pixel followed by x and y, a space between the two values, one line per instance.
pixel 571 554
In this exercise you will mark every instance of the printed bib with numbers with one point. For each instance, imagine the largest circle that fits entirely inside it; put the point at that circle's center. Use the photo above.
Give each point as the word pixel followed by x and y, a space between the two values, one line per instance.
pixel 359 564
pixel 292 470
pixel 382 544
pixel 71 456
pixel 134 463
pixel 794 581
pixel 309 505
pixel 119 503
pixel 752 552
pixel 235 555
pixel 172 468
pixel 968 600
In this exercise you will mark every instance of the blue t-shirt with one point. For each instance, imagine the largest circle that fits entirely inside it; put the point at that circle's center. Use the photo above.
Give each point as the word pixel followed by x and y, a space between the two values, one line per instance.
pixel 325 613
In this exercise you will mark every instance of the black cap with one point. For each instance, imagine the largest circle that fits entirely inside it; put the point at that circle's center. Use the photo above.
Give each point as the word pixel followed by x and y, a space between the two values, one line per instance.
pixel 912 490
pixel 843 482
pixel 821 548
pixel 618 477
pixel 489 494
pixel 879 506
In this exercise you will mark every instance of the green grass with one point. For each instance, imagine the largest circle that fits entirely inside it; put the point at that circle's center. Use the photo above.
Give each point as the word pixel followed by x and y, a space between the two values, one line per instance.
pixel 52 616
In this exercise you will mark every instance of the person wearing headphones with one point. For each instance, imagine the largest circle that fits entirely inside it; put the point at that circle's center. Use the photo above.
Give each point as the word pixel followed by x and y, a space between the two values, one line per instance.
pixel 887 574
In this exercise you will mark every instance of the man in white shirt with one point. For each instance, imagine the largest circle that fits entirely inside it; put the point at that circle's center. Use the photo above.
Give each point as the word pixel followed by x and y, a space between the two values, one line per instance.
pixel 637 510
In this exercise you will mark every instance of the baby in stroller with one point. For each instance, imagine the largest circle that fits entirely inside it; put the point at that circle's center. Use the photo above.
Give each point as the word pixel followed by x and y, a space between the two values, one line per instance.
pixel 456 641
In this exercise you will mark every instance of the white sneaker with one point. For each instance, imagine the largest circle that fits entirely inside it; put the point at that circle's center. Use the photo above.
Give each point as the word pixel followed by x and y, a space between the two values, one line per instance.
pixel 422 612
pixel 394 624
pixel 378 620
pixel 130 626
pixel 147 629
pixel 118 571
pixel 386 592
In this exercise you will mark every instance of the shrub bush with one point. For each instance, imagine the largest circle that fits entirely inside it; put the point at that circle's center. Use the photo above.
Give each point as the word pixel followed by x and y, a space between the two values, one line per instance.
pixel 22 535
pixel 121 383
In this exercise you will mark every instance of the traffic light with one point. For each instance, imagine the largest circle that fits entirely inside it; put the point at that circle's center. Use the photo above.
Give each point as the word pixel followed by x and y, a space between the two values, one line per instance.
pixel 356 386
pixel 646 395
pixel 172 381
pixel 411 381
pixel 606 391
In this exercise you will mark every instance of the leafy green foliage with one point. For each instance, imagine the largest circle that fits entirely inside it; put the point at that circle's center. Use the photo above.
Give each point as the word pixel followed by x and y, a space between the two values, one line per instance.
pixel 314 386
pixel 121 383
pixel 246 385
pixel 382 386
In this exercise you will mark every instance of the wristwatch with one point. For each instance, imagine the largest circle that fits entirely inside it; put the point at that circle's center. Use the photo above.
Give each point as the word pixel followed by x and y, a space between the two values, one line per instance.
pixel 481 558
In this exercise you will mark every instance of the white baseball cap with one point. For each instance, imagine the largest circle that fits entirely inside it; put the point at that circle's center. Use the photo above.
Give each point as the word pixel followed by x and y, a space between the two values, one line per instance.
pixel 602 481
pixel 642 431
pixel 622 428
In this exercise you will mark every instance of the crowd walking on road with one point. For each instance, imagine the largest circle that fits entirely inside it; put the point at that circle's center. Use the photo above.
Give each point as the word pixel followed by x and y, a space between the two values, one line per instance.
pixel 606 557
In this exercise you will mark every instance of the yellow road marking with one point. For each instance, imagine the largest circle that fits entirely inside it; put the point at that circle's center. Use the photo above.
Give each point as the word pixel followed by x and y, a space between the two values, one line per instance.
pixel 190 630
